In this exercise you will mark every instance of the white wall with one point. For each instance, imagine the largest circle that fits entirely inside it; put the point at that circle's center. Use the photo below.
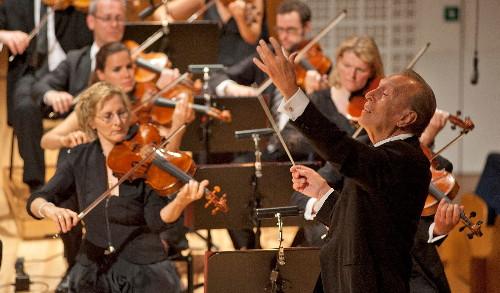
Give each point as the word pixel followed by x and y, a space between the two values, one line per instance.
pixel 447 66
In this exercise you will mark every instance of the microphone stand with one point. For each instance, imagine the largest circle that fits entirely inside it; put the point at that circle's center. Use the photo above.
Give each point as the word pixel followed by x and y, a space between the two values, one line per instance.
pixel 277 284
pixel 256 198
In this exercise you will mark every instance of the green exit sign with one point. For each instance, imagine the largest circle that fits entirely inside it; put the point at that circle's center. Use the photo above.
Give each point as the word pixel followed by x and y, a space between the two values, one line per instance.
pixel 451 13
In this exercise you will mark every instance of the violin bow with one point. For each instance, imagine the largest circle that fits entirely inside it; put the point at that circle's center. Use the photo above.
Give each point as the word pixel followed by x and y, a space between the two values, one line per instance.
pixel 200 11
pixel 35 30
pixel 151 39
pixel 464 131
pixel 268 82
pixel 147 157
pixel 166 88
pixel 409 66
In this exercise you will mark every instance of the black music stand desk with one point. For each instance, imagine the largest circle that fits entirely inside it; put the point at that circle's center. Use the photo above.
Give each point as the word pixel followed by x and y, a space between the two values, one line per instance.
pixel 274 190
pixel 186 43
pixel 246 114
pixel 248 271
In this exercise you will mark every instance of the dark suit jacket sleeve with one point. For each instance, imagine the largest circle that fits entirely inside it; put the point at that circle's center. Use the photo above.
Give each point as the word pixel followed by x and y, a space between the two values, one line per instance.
pixel 3 17
pixel 330 174
pixel 326 211
pixel 57 80
pixel 369 166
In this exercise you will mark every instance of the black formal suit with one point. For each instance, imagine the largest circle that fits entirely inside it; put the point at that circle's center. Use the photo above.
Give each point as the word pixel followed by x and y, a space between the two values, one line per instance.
pixel 71 33
pixel 428 274
pixel 71 75
pixel 310 234
pixel 373 221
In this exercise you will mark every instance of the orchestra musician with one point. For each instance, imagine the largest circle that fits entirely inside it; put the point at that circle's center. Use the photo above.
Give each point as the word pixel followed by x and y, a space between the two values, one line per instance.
pixel 63 31
pixel 374 218
pixel 56 90
pixel 243 24
pixel 121 250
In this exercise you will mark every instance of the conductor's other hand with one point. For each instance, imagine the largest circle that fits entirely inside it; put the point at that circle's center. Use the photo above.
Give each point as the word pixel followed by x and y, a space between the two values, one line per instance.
pixel 278 67
pixel 308 181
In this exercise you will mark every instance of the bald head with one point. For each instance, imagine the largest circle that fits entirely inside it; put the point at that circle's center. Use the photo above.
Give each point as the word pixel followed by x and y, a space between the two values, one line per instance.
pixel 421 100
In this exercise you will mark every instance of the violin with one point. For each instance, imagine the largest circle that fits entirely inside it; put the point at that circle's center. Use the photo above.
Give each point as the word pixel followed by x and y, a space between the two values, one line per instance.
pixel 443 183
pixel 141 155
pixel 149 65
pixel 357 99
pixel 314 59
pixel 129 152
pixel 166 172
pixel 163 103
pixel 82 5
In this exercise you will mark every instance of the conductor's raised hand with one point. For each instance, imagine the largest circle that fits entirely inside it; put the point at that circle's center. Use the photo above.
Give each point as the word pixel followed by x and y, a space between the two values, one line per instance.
pixel 278 67
pixel 308 181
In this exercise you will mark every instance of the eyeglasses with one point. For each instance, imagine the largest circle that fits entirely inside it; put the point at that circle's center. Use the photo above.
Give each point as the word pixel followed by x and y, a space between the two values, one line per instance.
pixel 109 117
pixel 287 30
pixel 109 19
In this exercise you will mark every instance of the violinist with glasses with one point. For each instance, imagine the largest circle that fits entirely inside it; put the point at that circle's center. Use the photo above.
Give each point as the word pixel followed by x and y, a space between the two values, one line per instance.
pixel 121 250
pixel 114 65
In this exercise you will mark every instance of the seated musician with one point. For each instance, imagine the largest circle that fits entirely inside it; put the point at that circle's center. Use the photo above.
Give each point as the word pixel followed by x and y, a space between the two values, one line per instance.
pixel 114 65
pixel 121 250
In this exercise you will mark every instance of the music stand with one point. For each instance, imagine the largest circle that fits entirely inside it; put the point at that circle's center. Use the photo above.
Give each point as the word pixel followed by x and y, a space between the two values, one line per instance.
pixel 274 189
pixel 186 43
pixel 249 270
pixel 246 113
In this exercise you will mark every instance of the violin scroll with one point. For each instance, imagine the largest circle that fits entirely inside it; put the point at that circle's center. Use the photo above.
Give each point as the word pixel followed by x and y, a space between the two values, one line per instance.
pixel 466 124
pixel 475 229
pixel 219 203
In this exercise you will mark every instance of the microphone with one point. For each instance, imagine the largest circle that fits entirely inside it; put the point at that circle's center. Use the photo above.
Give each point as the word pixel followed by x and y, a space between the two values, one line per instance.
pixel 148 11
pixel 286 211
pixel 200 68
pixel 475 72
pixel 248 133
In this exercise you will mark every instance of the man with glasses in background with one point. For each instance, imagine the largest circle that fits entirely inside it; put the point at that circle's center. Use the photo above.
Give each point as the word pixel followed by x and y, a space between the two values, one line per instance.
pixel 293 24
